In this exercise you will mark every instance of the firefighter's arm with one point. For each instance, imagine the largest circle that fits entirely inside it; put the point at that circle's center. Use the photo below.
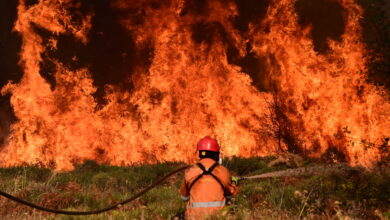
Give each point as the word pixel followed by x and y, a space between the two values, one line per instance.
pixel 231 188
pixel 184 194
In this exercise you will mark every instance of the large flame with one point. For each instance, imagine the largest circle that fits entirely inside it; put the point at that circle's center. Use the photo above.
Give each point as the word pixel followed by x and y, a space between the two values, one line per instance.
pixel 191 90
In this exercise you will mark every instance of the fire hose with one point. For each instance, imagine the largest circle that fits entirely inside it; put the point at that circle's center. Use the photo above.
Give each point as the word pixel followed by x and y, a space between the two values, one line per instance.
pixel 284 173
pixel 303 171
pixel 114 206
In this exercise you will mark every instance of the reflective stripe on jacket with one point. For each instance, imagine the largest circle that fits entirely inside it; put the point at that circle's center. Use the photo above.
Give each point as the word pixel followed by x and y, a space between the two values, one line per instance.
pixel 207 195
pixel 207 204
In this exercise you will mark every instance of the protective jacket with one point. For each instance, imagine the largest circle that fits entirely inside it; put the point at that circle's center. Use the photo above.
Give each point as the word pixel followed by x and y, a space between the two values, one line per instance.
pixel 206 191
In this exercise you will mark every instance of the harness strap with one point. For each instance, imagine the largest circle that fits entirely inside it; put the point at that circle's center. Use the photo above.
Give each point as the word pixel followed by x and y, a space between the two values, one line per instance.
pixel 206 172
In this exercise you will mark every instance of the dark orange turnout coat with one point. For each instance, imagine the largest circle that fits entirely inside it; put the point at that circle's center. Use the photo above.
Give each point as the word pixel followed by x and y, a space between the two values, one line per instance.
pixel 206 193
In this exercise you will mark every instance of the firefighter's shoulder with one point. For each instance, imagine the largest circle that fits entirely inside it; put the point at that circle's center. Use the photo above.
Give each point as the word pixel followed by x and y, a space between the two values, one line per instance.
pixel 192 171
pixel 222 168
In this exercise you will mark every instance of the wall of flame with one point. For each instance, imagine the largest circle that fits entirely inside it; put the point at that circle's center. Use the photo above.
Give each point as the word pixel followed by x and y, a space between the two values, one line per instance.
pixel 190 88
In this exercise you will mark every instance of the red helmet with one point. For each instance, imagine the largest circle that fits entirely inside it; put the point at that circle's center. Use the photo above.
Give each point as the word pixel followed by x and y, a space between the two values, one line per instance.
pixel 208 143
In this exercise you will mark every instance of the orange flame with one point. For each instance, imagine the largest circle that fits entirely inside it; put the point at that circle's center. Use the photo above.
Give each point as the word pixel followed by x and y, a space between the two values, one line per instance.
pixel 191 90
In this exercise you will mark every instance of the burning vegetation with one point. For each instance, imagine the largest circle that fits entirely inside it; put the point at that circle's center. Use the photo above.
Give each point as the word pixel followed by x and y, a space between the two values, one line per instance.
pixel 263 82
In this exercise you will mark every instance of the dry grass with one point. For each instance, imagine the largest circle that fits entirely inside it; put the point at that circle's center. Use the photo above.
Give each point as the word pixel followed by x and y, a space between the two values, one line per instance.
pixel 344 195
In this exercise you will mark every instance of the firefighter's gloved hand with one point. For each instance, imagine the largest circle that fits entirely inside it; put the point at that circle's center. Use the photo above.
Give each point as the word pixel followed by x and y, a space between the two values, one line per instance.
pixel 235 180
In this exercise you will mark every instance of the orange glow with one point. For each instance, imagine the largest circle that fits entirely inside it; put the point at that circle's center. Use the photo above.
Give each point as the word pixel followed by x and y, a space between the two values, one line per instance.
pixel 191 90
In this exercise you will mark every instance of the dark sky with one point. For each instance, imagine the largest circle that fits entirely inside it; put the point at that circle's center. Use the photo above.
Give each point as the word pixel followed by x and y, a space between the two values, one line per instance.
pixel 9 70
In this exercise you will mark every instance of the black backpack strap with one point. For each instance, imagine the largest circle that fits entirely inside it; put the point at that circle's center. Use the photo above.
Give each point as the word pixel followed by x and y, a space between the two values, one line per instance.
pixel 210 172
pixel 218 180
pixel 198 177
pixel 206 172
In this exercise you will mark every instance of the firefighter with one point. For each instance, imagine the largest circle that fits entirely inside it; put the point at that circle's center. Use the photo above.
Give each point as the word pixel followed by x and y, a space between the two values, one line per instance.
pixel 207 184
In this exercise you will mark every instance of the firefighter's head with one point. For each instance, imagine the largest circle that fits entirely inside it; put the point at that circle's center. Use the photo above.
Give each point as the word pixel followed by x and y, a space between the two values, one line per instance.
pixel 208 148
